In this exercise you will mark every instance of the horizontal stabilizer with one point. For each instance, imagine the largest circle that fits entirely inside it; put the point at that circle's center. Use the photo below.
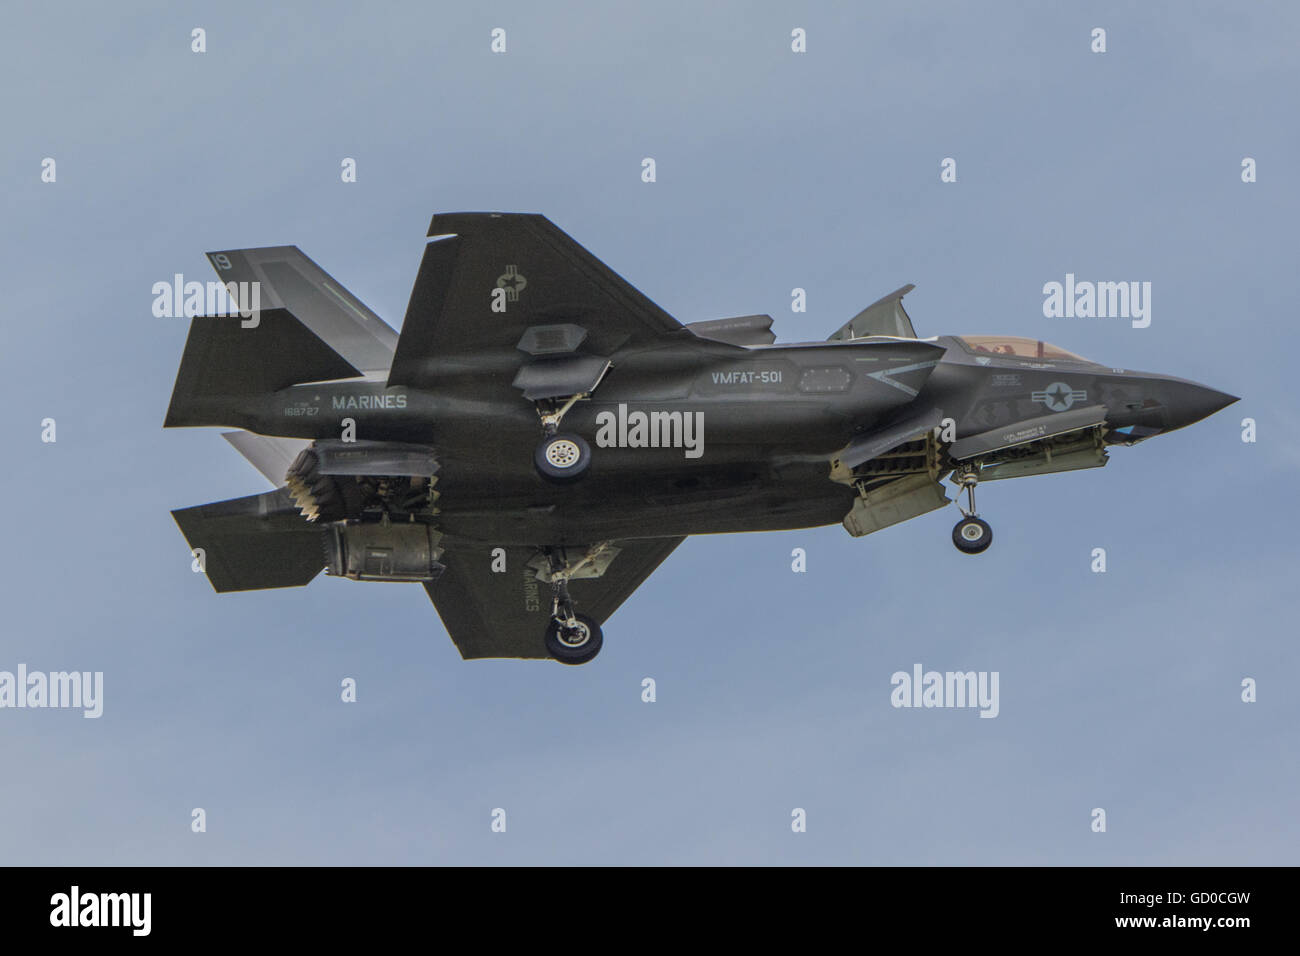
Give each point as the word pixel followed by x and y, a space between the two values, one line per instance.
pixel 255 542
pixel 883 317
pixel 271 456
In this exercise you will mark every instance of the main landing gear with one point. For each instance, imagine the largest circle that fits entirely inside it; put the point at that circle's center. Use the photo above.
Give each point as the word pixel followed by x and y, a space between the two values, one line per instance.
pixel 560 457
pixel 972 533
pixel 571 638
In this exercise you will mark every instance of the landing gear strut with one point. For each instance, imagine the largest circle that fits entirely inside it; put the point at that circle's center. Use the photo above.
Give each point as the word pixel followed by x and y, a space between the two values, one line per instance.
pixel 560 457
pixel 571 638
pixel 972 534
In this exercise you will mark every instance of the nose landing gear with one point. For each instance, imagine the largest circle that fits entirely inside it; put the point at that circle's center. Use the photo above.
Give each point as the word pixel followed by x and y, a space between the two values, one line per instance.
pixel 971 534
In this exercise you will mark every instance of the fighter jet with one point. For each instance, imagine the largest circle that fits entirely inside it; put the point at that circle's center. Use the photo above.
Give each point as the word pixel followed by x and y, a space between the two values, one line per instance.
pixel 541 436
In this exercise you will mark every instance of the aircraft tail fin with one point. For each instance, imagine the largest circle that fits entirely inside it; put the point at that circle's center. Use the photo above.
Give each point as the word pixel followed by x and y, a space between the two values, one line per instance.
pixel 255 542
pixel 225 363
pixel 287 279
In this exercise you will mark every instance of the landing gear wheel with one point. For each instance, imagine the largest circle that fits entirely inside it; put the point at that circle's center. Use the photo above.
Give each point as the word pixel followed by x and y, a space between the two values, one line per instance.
pixel 575 645
pixel 972 535
pixel 562 458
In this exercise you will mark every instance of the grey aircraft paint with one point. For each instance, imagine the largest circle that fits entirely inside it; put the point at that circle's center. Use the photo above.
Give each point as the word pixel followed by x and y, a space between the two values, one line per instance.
pixel 473 454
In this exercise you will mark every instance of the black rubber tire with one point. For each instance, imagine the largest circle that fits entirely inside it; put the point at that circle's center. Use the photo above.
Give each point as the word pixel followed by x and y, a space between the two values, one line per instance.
pixel 962 535
pixel 555 451
pixel 567 654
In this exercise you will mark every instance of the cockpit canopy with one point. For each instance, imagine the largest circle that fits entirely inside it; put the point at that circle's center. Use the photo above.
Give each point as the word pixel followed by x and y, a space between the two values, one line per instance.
pixel 1017 347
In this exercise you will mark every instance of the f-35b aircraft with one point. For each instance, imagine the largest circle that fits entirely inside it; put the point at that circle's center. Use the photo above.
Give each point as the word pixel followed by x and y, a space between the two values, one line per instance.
pixel 460 454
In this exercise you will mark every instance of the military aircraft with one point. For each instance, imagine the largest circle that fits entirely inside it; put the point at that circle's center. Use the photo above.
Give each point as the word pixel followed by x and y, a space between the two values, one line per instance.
pixel 459 454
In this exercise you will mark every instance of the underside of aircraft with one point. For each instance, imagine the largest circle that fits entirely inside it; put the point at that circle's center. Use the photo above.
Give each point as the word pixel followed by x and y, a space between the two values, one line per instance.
pixel 459 454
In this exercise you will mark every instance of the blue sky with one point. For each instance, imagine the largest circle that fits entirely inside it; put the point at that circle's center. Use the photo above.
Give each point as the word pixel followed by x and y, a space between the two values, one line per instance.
pixel 775 170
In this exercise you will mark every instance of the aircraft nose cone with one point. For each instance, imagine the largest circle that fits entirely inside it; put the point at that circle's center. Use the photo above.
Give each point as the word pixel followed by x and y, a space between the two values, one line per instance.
pixel 1191 402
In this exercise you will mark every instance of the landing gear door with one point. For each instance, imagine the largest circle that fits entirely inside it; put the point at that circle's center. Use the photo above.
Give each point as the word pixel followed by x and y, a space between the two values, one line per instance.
pixel 1026 431
pixel 561 377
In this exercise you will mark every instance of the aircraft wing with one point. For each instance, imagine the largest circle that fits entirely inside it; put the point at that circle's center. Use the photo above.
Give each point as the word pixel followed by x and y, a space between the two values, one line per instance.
pixel 505 614
pixel 537 277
